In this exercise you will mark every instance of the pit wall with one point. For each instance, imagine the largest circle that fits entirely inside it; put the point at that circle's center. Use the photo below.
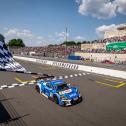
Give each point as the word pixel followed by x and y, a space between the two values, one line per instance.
pixel 97 70
pixel 98 57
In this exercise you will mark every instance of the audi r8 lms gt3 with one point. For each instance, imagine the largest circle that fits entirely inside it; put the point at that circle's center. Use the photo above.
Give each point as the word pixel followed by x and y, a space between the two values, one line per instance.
pixel 59 91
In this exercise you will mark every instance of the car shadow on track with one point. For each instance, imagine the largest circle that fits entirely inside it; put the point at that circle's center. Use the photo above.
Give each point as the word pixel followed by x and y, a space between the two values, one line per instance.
pixel 5 117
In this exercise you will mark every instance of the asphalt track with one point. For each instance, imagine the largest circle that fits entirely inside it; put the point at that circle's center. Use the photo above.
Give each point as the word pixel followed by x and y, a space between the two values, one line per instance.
pixel 104 101
pixel 86 63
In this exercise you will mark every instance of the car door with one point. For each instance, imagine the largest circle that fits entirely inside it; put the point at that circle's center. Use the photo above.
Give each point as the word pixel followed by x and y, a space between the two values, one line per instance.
pixel 48 89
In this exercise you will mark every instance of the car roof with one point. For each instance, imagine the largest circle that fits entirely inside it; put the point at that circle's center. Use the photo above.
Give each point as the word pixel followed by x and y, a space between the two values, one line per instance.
pixel 56 82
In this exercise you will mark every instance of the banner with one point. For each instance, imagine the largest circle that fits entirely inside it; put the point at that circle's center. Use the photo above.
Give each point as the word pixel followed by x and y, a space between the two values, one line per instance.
pixel 116 46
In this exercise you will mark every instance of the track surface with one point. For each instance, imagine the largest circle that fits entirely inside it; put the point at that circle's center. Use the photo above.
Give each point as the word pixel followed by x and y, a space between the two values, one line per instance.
pixel 86 63
pixel 104 101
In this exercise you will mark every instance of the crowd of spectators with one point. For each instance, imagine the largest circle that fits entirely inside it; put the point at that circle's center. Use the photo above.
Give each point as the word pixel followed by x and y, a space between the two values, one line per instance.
pixel 112 39
pixel 62 51
pixel 109 40
pixel 59 51
pixel 104 51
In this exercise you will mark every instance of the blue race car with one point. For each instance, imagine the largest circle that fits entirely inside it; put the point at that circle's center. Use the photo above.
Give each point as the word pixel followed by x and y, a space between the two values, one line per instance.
pixel 58 91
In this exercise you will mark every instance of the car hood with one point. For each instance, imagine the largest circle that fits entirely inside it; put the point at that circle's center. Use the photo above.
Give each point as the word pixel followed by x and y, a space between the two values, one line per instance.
pixel 70 93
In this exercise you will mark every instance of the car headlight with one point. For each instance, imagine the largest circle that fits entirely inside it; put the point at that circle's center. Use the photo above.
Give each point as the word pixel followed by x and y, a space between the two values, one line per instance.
pixel 79 93
pixel 63 98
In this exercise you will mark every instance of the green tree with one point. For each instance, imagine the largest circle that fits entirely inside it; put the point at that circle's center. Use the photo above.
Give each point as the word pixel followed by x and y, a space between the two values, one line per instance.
pixel 16 43
pixel 79 43
pixel 84 42
pixel 69 43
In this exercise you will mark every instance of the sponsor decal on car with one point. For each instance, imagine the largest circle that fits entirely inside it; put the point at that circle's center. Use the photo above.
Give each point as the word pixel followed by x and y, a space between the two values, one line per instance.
pixel 75 98
pixel 72 95
pixel 65 92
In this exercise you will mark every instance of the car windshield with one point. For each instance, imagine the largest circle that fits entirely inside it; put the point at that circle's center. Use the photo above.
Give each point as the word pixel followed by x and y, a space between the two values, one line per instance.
pixel 62 87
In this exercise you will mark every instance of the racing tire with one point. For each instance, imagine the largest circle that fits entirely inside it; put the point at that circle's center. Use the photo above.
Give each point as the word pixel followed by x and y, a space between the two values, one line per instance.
pixel 37 88
pixel 56 100
pixel 81 99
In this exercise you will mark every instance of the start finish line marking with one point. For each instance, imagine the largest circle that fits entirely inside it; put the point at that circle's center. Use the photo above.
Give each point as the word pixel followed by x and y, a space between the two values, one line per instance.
pixel 23 83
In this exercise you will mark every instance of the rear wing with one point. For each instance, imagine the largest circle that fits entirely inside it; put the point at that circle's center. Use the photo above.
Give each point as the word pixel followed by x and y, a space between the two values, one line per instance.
pixel 44 77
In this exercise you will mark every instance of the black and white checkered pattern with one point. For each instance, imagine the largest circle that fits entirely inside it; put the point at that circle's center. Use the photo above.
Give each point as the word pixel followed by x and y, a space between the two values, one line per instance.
pixel 33 81
pixel 16 85
pixel 7 63
pixel 6 60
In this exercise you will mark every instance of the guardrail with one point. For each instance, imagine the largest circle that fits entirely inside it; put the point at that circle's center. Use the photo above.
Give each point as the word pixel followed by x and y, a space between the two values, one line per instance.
pixel 97 70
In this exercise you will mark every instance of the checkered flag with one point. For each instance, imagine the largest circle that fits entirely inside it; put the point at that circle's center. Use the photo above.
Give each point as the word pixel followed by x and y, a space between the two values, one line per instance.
pixel 6 60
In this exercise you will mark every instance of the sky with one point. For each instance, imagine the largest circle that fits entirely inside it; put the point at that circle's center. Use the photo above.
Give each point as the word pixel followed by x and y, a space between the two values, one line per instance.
pixel 43 22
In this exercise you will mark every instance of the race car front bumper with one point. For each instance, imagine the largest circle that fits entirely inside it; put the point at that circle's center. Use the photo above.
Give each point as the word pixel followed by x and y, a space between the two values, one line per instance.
pixel 66 102
pixel 72 101
pixel 75 101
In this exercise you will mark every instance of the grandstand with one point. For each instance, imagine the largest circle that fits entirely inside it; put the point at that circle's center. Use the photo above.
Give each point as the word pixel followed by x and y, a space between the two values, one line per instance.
pixel 114 40
pixel 112 47
pixel 121 27
pixel 119 31
pixel 114 43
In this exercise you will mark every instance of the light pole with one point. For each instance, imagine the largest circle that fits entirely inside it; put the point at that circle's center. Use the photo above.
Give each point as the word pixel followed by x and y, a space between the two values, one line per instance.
pixel 66 34
pixel 66 41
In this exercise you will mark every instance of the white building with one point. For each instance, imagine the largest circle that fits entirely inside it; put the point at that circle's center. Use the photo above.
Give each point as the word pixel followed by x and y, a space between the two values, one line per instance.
pixel 118 32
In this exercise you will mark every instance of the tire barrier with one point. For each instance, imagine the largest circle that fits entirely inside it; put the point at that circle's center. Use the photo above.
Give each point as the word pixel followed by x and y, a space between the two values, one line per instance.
pixel 65 65
pixel 41 61
pixel 48 62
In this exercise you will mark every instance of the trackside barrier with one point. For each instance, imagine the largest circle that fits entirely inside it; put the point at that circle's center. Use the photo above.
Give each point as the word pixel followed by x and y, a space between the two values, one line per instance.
pixel 97 70
pixel 65 65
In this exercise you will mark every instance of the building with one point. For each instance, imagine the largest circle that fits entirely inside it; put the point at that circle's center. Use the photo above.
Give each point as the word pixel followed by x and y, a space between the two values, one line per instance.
pixel 93 46
pixel 119 31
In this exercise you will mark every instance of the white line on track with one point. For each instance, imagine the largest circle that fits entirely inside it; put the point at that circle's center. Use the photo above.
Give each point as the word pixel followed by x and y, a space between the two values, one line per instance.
pixel 11 86
pixel 21 85
pixel 3 86
pixel 54 78
pixel 84 73
pixel 71 75
pixel 60 77
pixel 66 77
pixel 33 81
pixel 15 84
pixel 80 74
pixel 30 83
pixel 75 75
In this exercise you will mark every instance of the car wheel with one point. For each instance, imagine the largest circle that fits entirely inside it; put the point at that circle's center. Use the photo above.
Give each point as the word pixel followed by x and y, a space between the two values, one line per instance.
pixel 81 99
pixel 56 100
pixel 37 88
